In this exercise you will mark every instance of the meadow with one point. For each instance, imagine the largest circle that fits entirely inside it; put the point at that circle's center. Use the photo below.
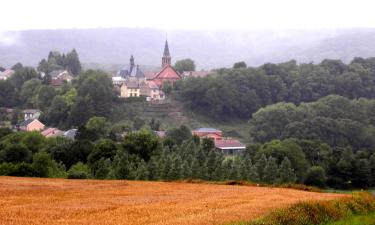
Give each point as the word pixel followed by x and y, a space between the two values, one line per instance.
pixel 61 202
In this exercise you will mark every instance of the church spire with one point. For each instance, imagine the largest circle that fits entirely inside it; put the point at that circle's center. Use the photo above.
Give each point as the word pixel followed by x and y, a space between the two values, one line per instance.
pixel 166 59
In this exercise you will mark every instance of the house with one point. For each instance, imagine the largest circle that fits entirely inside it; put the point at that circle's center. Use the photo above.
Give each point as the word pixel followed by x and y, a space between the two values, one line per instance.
pixel 61 75
pixel 6 74
pixel 31 125
pixel 229 146
pixel 160 134
pixel 167 73
pixel 31 114
pixel 211 133
pixel 71 134
pixel 187 74
pixel 130 89
pixel 151 91
pixel 52 132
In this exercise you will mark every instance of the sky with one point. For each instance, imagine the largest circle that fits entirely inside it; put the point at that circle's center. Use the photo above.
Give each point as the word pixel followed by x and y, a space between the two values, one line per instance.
pixel 187 14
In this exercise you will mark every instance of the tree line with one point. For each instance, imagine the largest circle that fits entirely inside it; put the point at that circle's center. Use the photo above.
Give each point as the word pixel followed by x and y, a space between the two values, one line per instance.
pixel 141 155
pixel 241 91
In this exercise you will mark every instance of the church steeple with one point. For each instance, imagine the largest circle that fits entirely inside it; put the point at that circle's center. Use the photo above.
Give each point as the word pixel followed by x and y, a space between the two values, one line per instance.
pixel 166 59
pixel 131 60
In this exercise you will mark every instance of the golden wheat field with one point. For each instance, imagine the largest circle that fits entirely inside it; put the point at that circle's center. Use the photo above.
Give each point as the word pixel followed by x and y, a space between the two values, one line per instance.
pixel 59 201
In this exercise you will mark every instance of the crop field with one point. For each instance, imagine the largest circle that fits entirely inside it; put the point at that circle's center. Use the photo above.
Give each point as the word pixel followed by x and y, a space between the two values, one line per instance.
pixel 59 201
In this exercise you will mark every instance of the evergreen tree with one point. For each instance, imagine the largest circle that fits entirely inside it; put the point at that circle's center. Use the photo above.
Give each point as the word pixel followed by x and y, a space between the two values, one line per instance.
pixel 167 166
pixel 211 164
pixel 153 170
pixel 142 172
pixel 186 170
pixel 286 172
pixel 362 174
pixel 175 173
pixel 270 171
pixel 260 166
pixel 72 62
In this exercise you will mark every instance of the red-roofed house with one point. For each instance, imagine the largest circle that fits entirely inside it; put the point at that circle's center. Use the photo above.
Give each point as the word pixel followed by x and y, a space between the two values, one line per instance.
pixel 6 74
pixel 229 146
pixel 52 132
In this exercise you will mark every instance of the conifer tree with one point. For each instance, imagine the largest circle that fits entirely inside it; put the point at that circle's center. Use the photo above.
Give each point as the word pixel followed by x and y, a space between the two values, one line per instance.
pixel 260 166
pixel 286 172
pixel 175 172
pixel 142 172
pixel 270 171
pixel 186 170
pixel 153 170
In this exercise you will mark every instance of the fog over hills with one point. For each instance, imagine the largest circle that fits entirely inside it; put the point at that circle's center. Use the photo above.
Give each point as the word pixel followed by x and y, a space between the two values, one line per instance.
pixel 209 49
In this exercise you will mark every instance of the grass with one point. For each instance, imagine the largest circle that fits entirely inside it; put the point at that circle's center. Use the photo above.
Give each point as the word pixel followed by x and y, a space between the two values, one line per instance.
pixel 356 220
pixel 317 212
pixel 62 202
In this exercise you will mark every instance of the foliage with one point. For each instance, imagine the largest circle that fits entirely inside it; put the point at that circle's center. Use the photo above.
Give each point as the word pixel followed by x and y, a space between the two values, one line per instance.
pixel 184 65
pixel 79 171
pixel 310 213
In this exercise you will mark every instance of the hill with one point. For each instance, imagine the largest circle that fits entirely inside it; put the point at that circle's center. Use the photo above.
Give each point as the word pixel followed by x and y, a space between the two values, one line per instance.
pixel 210 49
pixel 59 201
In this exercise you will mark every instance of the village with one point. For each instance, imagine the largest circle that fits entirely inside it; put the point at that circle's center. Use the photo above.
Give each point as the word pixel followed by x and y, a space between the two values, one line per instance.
pixel 128 82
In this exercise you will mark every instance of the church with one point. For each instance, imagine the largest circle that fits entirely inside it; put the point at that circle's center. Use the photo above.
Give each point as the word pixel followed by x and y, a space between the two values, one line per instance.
pixel 134 83
pixel 167 72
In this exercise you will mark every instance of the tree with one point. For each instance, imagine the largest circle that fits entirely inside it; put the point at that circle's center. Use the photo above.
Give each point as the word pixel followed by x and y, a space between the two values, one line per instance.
pixel 17 66
pixel 43 164
pixel 178 135
pixel 286 172
pixel 184 65
pixel 29 92
pixel 97 87
pixel 57 113
pixel 45 96
pixel 239 65
pixel 270 171
pixel 142 143
pixel 83 104
pixel 98 126
pixel 16 153
pixel 316 176
pixel 79 171
pixel 72 62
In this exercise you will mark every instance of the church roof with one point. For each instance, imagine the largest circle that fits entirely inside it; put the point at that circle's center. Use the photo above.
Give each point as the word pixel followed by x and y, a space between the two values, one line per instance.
pixel 166 49
pixel 168 72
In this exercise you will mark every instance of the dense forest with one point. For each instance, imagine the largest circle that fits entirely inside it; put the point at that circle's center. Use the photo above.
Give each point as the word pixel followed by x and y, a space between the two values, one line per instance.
pixel 241 91
pixel 309 124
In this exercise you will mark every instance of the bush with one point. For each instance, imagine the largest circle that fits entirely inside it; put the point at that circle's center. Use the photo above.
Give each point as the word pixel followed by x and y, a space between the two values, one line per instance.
pixel 316 176
pixel 79 171
pixel 311 213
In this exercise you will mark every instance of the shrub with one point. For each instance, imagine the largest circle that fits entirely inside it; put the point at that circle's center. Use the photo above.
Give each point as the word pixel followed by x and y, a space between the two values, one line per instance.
pixel 79 171
pixel 311 213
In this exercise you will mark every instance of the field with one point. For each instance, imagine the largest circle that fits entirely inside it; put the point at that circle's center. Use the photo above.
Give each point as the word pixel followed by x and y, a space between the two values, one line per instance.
pixel 58 201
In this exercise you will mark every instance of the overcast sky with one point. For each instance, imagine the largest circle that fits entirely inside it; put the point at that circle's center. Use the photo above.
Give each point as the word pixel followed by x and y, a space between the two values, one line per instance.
pixel 187 14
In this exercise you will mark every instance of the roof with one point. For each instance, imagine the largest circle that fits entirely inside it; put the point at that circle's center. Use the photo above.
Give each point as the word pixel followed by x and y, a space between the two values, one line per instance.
pixel 7 73
pixel 229 144
pixel 30 111
pixel 207 129
pixel 132 84
pixel 152 85
pixel 27 122
pixel 56 73
pixel 168 72
pixel 166 50
pixel 118 79
pixel 52 132
pixel 150 75
pixel 70 133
